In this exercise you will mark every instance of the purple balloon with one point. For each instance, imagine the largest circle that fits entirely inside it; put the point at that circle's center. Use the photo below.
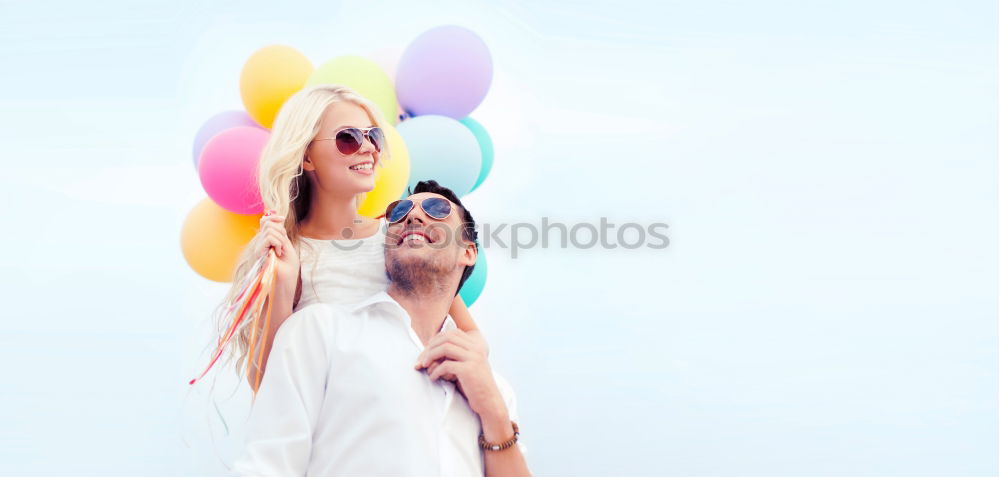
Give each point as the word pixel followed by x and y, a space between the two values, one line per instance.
pixel 447 70
pixel 216 124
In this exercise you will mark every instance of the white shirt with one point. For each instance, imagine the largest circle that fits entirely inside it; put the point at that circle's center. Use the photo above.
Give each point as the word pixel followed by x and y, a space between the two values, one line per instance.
pixel 342 271
pixel 341 397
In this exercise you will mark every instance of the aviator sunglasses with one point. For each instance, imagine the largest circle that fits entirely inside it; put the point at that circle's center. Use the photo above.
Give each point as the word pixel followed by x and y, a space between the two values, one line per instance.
pixel 349 140
pixel 435 208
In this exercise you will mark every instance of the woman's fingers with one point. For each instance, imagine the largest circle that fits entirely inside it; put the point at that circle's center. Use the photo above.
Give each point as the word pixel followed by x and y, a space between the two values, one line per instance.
pixel 272 218
pixel 268 240
pixel 273 229
pixel 264 242
pixel 277 240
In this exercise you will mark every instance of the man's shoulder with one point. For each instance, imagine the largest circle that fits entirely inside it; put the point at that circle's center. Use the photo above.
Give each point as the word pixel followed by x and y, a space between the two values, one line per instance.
pixel 321 310
pixel 315 317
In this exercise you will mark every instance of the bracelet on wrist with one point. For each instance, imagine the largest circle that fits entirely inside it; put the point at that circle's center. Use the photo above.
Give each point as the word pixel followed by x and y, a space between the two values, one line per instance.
pixel 502 445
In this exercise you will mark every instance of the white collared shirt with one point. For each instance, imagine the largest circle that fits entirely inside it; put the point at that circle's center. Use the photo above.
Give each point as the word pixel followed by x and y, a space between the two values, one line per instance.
pixel 341 397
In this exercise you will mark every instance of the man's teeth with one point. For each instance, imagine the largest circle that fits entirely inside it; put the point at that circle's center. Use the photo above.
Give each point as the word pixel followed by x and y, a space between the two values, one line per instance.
pixel 362 167
pixel 414 238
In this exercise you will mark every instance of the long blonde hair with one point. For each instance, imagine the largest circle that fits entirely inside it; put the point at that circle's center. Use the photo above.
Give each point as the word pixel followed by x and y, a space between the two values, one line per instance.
pixel 284 189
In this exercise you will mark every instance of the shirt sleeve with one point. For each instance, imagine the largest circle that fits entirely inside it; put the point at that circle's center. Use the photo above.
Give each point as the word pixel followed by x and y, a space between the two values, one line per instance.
pixel 286 409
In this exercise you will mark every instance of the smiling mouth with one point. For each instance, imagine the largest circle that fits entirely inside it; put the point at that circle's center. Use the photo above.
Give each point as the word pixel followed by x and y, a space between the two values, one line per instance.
pixel 364 166
pixel 414 236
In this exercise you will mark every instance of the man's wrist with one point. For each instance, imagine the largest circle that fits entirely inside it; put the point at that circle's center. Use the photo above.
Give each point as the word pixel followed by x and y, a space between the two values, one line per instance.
pixel 496 424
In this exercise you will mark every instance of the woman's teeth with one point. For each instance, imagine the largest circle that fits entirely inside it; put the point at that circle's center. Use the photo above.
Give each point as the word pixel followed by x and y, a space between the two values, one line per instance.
pixel 362 167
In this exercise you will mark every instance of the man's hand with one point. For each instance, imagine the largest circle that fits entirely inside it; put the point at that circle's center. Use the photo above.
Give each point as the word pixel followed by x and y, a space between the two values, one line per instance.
pixel 460 356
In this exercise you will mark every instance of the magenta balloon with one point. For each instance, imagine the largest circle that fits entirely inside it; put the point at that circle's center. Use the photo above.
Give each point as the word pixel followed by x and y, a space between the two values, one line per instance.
pixel 228 168
pixel 216 124
pixel 446 70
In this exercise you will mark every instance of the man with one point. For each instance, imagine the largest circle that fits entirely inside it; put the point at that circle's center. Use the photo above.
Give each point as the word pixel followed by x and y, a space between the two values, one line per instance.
pixel 390 386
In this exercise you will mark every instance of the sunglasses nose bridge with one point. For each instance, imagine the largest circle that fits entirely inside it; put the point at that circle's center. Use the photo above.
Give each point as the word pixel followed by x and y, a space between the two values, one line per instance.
pixel 370 141
pixel 416 213
pixel 366 146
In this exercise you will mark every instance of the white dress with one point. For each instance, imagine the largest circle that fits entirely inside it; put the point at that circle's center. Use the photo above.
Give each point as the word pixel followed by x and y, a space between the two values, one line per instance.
pixel 341 272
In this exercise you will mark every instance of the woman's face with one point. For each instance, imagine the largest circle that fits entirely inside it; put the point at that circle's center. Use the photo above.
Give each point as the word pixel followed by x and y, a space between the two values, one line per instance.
pixel 332 171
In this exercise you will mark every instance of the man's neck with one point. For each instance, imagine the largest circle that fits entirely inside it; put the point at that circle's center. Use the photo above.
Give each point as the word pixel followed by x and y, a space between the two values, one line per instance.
pixel 427 311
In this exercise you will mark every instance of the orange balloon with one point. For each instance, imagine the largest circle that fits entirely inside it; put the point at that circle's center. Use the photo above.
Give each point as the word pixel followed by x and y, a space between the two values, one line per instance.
pixel 212 239
pixel 269 77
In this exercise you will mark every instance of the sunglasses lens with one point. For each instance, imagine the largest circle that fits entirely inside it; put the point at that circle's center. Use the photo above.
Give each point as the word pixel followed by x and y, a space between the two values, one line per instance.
pixel 436 207
pixel 349 140
pixel 397 210
pixel 377 137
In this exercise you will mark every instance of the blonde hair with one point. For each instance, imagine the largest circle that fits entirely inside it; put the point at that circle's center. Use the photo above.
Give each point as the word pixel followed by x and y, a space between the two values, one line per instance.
pixel 284 189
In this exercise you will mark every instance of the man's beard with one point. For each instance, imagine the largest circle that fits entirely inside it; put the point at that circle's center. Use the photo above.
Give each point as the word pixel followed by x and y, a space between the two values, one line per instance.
pixel 413 276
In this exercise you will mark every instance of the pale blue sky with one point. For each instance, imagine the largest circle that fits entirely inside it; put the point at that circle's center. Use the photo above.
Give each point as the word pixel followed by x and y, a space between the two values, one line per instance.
pixel 827 306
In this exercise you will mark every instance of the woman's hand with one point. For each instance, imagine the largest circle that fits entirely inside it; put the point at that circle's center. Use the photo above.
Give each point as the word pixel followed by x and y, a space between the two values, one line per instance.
pixel 272 235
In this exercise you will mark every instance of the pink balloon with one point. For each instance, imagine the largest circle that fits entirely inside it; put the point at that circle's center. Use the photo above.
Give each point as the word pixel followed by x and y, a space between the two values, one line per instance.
pixel 228 168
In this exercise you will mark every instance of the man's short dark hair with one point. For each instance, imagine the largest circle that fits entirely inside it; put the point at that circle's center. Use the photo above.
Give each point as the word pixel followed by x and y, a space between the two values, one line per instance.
pixel 468 223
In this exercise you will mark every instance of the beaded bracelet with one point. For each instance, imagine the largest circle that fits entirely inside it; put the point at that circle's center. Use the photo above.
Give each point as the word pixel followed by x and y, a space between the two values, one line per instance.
pixel 501 446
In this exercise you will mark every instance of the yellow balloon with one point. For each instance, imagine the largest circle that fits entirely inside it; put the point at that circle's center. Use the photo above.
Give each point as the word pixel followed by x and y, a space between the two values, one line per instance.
pixel 212 239
pixel 363 76
pixel 269 77
pixel 390 178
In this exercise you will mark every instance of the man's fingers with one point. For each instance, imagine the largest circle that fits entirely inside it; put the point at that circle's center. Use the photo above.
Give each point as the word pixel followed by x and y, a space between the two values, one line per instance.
pixel 443 369
pixel 445 351
pixel 456 337
pixel 446 376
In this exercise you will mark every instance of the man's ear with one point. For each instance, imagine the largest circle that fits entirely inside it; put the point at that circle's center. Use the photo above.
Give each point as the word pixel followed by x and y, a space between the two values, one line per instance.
pixel 469 254
pixel 307 163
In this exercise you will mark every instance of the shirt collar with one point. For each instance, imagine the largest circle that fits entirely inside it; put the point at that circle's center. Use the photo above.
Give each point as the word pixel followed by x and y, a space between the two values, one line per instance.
pixel 382 297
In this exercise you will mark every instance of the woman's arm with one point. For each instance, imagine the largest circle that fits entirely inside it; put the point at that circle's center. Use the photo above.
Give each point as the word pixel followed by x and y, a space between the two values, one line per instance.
pixel 287 287
pixel 463 319
pixel 460 313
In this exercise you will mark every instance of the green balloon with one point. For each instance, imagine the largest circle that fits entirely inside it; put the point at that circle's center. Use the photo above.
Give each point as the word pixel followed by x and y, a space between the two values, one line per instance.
pixel 363 76
pixel 485 147
pixel 473 286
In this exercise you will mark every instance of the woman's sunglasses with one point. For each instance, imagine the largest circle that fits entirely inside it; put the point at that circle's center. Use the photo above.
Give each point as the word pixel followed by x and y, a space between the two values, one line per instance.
pixel 435 208
pixel 349 140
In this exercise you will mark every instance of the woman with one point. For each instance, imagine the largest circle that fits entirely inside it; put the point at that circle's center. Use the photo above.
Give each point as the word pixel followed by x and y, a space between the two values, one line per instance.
pixel 324 150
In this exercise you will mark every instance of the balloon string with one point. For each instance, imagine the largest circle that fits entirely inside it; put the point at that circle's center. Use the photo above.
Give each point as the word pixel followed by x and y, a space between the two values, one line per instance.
pixel 240 315
pixel 267 320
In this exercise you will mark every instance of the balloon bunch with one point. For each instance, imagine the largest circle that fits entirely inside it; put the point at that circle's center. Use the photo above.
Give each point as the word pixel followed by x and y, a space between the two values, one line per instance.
pixel 425 96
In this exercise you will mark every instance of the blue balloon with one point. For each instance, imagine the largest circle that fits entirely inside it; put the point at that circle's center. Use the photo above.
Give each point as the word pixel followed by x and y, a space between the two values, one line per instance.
pixel 441 149
pixel 473 286
pixel 485 148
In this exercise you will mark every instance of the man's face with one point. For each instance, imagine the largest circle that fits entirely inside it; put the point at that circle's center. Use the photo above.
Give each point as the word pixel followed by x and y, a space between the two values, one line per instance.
pixel 420 248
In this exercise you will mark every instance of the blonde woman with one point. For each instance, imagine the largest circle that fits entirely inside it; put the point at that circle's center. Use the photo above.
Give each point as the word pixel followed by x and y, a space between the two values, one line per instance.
pixel 325 148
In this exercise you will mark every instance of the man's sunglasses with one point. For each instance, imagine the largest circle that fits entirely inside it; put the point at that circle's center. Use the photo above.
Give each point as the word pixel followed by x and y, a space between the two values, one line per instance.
pixel 435 208
pixel 349 140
